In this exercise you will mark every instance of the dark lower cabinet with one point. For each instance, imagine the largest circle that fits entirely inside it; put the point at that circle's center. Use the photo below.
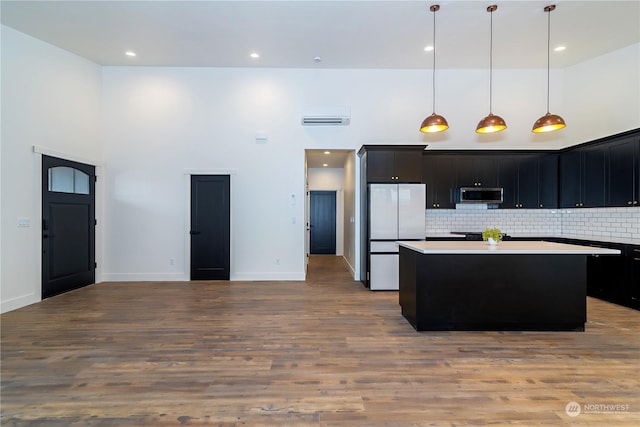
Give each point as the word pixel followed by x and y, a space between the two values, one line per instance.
pixel 633 283
pixel 607 275
pixel 613 278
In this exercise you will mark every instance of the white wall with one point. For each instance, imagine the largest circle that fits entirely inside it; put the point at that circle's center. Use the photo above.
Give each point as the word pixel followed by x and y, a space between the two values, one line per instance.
pixel 50 99
pixel 350 213
pixel 603 95
pixel 331 179
pixel 161 123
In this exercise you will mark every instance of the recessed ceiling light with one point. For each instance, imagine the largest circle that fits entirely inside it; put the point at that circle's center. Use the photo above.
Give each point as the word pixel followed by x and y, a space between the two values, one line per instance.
pixel 130 53
pixel 327 152
pixel 559 48
pixel 428 48
pixel 325 165
pixel 255 55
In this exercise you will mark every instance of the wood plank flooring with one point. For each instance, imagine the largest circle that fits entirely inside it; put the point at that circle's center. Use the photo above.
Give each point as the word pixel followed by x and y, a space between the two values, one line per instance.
pixel 325 352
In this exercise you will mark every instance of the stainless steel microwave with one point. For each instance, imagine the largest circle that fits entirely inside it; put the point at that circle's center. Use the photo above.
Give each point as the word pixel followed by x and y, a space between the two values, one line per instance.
pixel 480 195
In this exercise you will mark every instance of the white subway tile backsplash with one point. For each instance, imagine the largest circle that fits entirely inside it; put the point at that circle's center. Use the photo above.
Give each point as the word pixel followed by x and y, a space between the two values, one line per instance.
pixel 614 222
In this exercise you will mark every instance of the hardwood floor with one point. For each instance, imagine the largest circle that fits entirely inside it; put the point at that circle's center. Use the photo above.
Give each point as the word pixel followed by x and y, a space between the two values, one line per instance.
pixel 325 352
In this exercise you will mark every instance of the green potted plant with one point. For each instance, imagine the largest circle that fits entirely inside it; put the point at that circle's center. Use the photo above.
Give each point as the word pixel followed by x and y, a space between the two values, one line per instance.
pixel 492 235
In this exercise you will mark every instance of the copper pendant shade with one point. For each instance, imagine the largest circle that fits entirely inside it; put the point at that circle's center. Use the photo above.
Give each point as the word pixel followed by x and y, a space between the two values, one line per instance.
pixel 491 123
pixel 549 122
pixel 434 122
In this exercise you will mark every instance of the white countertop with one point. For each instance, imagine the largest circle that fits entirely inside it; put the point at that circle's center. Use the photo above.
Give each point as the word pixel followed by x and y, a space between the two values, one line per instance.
pixel 506 247
pixel 541 236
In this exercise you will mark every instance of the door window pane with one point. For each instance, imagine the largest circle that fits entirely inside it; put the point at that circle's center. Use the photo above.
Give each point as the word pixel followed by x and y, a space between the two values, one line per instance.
pixel 63 179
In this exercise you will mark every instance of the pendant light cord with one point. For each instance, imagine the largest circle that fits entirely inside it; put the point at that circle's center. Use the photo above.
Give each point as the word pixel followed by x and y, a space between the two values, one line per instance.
pixel 491 65
pixel 434 61
pixel 548 55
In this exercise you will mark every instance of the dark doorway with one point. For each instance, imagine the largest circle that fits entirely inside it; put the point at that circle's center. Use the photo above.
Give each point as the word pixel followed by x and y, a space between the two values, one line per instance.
pixel 322 220
pixel 68 225
pixel 210 227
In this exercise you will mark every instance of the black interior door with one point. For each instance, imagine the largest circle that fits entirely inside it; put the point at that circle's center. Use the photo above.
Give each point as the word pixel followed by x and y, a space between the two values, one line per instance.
pixel 210 227
pixel 68 225
pixel 322 218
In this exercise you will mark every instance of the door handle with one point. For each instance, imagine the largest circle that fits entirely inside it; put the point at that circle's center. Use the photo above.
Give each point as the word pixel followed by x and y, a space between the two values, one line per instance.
pixel 194 232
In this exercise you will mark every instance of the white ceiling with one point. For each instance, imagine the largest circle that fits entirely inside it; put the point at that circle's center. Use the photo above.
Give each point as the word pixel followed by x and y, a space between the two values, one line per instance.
pixel 345 34
pixel 334 158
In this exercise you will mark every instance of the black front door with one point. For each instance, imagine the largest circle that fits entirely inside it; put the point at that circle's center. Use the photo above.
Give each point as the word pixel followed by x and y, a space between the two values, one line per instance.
pixel 210 227
pixel 68 225
pixel 322 219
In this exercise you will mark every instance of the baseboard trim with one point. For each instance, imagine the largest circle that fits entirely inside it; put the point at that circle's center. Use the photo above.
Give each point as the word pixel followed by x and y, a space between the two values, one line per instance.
pixel 255 277
pixel 353 270
pixel 144 277
pixel 19 302
pixel 180 277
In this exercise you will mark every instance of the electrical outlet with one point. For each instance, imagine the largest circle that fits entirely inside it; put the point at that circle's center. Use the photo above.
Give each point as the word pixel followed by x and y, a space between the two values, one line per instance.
pixel 172 261
pixel 277 261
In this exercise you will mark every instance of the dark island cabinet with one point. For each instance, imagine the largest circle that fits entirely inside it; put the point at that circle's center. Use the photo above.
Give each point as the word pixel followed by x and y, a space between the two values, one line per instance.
pixel 394 164
pixel 623 187
pixel 582 177
pixel 476 171
pixel 440 176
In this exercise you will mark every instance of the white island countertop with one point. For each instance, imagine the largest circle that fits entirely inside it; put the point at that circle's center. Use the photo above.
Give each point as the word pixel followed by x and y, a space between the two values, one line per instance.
pixel 506 247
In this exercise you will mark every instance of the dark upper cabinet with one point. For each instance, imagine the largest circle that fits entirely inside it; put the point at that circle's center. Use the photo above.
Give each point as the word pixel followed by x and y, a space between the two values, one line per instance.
pixel 570 179
pixel 527 184
pixel 508 180
pixel 440 177
pixel 528 181
pixel 623 187
pixel 394 164
pixel 594 161
pixel 582 177
pixel 476 171
pixel 548 181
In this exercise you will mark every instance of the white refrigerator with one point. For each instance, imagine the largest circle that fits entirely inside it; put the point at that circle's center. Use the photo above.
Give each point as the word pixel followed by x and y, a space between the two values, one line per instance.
pixel 396 212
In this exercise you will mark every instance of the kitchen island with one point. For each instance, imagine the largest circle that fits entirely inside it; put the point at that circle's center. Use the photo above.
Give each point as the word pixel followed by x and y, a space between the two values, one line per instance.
pixel 466 285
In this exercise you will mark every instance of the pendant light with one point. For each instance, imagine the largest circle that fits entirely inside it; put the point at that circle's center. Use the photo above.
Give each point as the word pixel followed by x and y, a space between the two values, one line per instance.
pixel 549 122
pixel 491 123
pixel 434 122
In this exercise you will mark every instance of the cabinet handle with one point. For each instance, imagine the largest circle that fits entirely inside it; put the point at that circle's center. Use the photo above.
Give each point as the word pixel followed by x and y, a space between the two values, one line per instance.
pixel 540 204
pixel 635 202
pixel 630 202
